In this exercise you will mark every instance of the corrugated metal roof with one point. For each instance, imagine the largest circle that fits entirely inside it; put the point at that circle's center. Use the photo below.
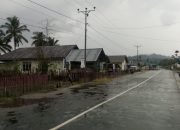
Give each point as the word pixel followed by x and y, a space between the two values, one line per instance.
pixel 54 52
pixel 78 55
pixel 118 59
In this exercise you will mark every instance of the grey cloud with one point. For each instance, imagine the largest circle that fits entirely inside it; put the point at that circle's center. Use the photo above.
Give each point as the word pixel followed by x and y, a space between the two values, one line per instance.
pixel 168 18
pixel 122 13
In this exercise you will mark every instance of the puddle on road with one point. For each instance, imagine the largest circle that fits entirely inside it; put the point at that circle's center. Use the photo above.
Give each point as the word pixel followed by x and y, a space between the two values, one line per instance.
pixel 94 93
pixel 12 117
pixel 78 89
pixel 43 106
pixel 84 87
pixel 91 90
pixel 91 93
pixel 18 102
pixel 59 94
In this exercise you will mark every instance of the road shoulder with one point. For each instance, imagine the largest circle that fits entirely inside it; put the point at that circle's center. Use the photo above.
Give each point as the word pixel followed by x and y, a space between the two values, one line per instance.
pixel 177 78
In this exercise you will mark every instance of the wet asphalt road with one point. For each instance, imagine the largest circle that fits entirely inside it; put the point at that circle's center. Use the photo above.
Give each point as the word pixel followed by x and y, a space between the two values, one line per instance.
pixel 154 105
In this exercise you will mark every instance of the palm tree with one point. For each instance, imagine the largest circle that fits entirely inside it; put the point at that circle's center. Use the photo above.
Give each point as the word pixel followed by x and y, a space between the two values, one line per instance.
pixel 14 31
pixel 39 39
pixel 176 53
pixel 51 41
pixel 4 47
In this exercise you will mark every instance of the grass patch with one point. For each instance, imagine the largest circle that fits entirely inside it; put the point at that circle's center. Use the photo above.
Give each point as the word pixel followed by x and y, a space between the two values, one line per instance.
pixel 103 80
pixel 6 100
pixel 11 102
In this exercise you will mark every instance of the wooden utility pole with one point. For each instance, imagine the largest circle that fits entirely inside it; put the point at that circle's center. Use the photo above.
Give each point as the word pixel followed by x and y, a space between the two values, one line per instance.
pixel 86 13
pixel 47 28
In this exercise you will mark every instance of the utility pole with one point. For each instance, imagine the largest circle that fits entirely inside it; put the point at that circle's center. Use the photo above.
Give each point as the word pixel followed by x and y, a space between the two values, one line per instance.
pixel 137 46
pixel 86 13
pixel 47 28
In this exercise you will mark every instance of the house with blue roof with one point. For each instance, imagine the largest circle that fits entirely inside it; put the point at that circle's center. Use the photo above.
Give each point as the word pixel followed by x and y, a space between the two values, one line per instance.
pixel 95 59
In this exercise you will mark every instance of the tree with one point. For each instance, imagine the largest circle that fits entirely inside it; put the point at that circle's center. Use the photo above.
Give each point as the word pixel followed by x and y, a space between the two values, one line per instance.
pixel 167 62
pixel 176 53
pixel 4 46
pixel 39 39
pixel 14 31
pixel 51 41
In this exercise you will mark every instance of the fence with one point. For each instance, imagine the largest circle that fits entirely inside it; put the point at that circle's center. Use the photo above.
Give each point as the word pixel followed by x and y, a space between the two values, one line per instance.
pixel 13 85
pixel 86 76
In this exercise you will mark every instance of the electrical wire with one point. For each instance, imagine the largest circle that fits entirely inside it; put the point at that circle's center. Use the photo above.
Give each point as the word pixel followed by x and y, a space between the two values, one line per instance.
pixel 106 37
pixel 34 10
pixel 54 11
pixel 149 38
pixel 100 44
pixel 34 26
pixel 106 19
pixel 129 28
pixel 142 28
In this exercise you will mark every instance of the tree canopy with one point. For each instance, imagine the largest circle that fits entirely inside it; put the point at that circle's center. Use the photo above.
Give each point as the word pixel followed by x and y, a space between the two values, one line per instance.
pixel 4 47
pixel 51 41
pixel 14 31
pixel 40 39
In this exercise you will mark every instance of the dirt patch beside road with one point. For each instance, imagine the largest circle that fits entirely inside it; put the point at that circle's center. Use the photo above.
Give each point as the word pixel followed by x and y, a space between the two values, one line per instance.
pixel 44 96
pixel 61 91
pixel 17 102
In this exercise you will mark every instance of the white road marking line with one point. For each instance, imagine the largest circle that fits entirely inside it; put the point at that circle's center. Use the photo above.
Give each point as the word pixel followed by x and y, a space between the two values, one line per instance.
pixel 98 105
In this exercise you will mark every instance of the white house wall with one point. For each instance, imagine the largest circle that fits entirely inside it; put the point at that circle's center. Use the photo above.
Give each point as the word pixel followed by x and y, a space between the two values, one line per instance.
pixel 124 65
pixel 56 66
pixel 53 66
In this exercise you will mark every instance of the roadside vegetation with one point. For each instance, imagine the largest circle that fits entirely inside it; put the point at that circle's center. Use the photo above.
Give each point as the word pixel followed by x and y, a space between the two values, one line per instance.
pixel 4 46
pixel 12 34
pixel 172 62
pixel 167 62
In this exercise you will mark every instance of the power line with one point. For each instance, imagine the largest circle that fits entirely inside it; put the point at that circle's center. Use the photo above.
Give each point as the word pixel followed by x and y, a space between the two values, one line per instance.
pixel 23 18
pixel 34 26
pixel 79 38
pixel 149 38
pixel 130 28
pixel 54 11
pixel 106 37
pixel 67 1
pixel 97 19
pixel 78 3
pixel 107 20
pixel 142 28
pixel 137 28
pixel 86 13
pixel 34 10
pixel 22 5
pixel 40 27
pixel 99 43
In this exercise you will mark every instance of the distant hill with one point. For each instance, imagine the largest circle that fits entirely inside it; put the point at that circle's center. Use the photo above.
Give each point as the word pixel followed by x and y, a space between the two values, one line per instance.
pixel 148 59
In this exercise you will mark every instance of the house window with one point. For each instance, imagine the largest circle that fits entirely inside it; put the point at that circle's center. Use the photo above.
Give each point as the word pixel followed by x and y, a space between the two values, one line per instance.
pixel 26 66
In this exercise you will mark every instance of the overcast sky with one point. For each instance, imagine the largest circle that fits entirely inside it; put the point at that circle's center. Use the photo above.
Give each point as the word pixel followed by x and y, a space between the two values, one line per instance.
pixel 116 25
